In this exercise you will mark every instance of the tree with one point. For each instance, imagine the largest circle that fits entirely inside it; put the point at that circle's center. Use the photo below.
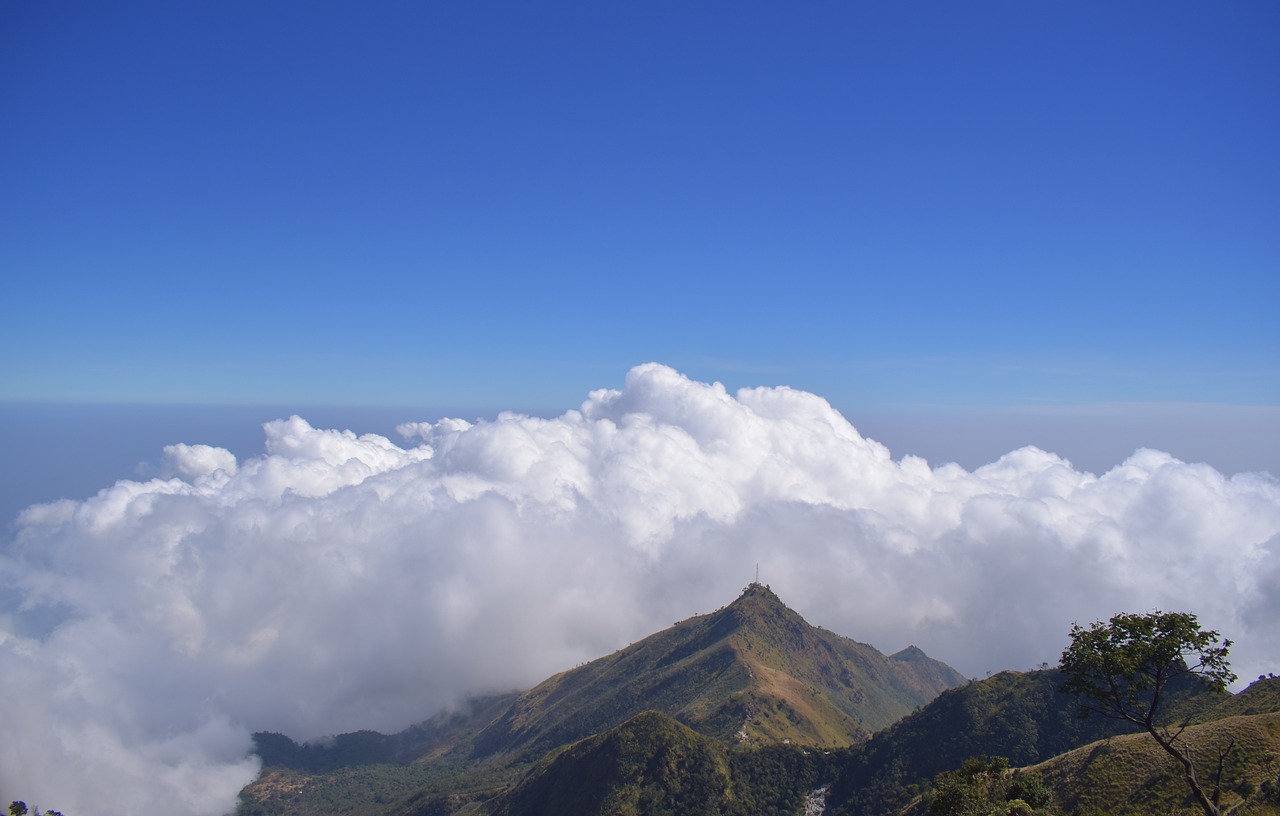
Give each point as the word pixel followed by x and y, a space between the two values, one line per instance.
pixel 1125 667
pixel 984 786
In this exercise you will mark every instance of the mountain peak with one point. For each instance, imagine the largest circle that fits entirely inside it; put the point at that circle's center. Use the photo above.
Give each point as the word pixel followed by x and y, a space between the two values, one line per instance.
pixel 759 603
pixel 756 588
pixel 910 653
pixel 758 593
pixel 754 670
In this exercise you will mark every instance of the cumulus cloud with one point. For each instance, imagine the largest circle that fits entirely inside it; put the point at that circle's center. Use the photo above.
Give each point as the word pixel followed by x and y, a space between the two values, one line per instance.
pixel 192 462
pixel 338 582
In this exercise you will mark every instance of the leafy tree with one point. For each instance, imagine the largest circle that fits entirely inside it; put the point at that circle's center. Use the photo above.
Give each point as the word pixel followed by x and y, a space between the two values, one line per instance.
pixel 1029 788
pixel 1124 668
pixel 983 786
pixel 1271 786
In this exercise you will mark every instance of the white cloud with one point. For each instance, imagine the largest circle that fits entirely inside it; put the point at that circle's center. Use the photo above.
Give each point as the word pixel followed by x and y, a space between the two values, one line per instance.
pixel 338 582
pixel 192 462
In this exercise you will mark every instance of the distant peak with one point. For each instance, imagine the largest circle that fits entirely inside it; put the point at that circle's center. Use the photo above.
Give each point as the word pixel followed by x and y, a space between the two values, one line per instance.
pixel 757 589
pixel 757 594
pixel 759 603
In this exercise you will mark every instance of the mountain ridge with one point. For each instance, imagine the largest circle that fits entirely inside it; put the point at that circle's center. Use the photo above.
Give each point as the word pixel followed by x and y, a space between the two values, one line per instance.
pixel 652 760
pixel 653 764
pixel 754 670
pixel 753 673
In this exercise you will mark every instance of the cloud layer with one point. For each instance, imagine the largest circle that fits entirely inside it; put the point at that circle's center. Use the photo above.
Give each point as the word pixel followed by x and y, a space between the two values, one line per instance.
pixel 338 582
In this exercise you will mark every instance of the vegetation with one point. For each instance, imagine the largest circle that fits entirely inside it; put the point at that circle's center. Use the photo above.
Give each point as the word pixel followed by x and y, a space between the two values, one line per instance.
pixel 985 786
pixel 447 739
pixel 752 671
pixel 1261 697
pixel 654 766
pixel 1125 667
pixel 1024 716
pixel 1133 776
pixel 751 675
pixel 365 790
pixel 649 765
pixel 367 773
pixel 772 780
pixel 733 688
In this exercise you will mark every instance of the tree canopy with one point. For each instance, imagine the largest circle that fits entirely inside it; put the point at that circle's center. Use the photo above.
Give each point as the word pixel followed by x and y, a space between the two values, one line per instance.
pixel 1124 667
pixel 984 786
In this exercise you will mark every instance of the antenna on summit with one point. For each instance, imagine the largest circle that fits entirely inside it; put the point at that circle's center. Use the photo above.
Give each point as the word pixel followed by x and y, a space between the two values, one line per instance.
pixel 757 572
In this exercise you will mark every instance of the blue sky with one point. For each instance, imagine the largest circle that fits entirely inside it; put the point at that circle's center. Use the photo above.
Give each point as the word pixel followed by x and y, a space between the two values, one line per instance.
pixel 507 205
pixel 971 226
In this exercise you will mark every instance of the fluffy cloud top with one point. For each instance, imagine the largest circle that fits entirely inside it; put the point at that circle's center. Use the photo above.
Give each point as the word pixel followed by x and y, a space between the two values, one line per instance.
pixel 338 582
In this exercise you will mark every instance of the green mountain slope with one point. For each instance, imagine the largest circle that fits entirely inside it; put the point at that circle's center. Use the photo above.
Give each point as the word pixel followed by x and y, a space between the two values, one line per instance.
pixel 753 671
pixel 360 774
pixel 1019 715
pixel 1261 697
pixel 1132 776
pixel 652 764
pixel 449 737
pixel 758 660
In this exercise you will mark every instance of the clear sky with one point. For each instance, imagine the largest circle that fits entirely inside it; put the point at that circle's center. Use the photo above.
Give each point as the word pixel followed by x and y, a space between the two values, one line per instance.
pixel 508 205
pixel 970 227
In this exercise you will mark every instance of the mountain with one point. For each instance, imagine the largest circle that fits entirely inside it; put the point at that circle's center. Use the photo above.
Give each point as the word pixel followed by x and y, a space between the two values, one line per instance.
pixel 1023 716
pixel 1132 776
pixel 751 672
pixel 653 764
pixel 696 719
pixel 428 765
pixel 649 763
pixel 446 737
pixel 1261 697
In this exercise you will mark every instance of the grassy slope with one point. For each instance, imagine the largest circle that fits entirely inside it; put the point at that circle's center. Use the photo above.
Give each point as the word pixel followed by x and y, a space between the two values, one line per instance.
pixel 754 666
pixel 1019 715
pixel 1261 697
pixel 1132 776
pixel 653 765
